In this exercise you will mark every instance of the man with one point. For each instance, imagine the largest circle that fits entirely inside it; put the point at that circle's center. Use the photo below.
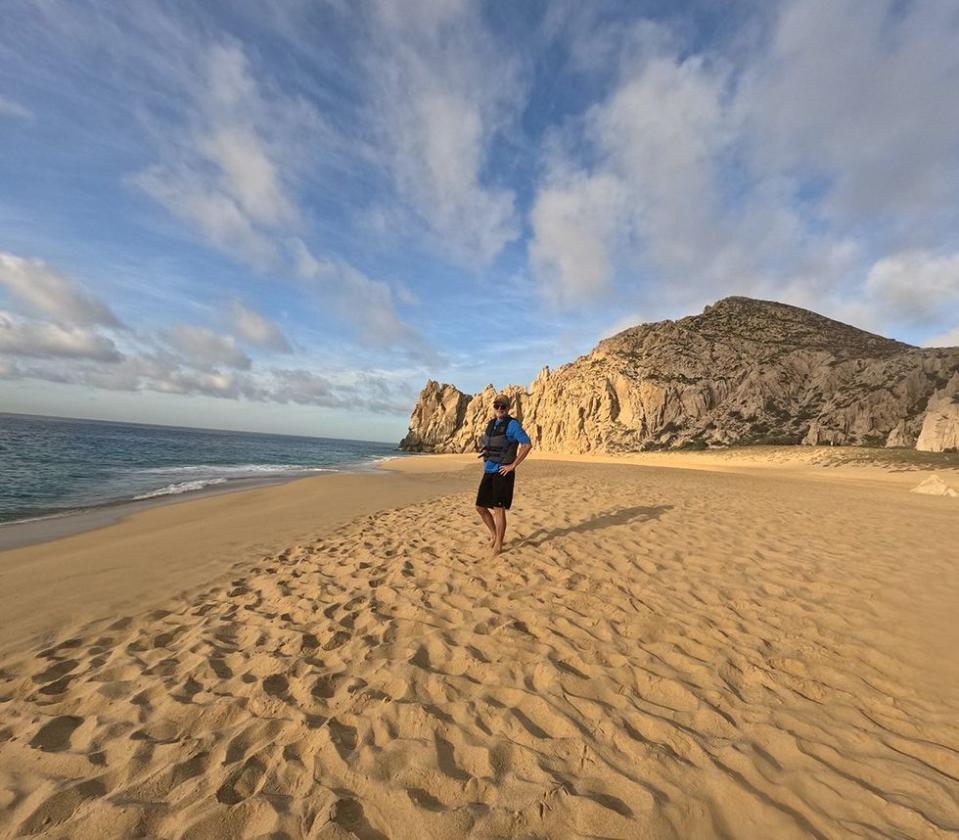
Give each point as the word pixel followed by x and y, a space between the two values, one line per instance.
pixel 505 445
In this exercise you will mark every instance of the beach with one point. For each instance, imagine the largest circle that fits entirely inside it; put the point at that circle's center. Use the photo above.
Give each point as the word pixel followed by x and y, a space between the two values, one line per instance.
pixel 671 645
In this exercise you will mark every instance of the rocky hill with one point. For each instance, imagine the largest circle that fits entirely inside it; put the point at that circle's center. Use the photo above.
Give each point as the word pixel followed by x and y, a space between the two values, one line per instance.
pixel 744 372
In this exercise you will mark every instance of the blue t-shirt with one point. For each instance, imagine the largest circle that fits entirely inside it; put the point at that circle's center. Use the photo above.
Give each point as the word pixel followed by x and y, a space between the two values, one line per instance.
pixel 514 432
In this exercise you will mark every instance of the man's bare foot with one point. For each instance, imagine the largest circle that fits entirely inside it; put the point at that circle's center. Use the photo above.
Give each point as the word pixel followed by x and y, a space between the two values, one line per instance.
pixel 497 548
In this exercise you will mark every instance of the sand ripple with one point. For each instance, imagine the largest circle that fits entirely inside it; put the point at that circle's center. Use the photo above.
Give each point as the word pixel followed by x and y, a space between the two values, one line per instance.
pixel 695 655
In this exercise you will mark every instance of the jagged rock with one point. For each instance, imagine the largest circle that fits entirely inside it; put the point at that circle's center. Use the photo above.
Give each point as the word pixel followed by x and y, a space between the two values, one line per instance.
pixel 940 427
pixel 934 486
pixel 899 437
pixel 438 415
pixel 745 371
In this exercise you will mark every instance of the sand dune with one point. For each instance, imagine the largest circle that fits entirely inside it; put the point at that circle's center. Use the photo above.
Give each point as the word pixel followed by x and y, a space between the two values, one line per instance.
pixel 659 653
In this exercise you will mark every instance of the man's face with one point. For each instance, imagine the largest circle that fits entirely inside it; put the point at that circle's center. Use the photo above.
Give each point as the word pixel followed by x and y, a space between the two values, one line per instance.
pixel 500 408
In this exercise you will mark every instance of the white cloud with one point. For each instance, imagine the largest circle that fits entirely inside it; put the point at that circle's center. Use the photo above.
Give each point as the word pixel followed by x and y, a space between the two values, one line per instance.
pixel 368 304
pixel 34 338
pixel 205 348
pixel 11 108
pixel 254 328
pixel 304 387
pixel 349 390
pixel 166 373
pixel 915 285
pixel 191 197
pixel 441 91
pixel 211 383
pixel 236 138
pixel 47 292
pixel 861 93
pixel 228 166
pixel 577 225
pixel 651 200
pixel 949 339
pixel 8 369
pixel 782 170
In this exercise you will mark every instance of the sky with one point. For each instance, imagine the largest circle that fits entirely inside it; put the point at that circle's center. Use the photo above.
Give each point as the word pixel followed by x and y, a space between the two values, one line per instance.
pixel 287 216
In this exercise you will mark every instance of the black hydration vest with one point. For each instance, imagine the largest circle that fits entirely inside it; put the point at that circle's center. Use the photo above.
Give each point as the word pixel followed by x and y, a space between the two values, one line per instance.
pixel 496 447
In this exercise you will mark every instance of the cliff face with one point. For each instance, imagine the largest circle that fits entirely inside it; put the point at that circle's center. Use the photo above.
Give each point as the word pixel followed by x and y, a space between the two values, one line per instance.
pixel 745 371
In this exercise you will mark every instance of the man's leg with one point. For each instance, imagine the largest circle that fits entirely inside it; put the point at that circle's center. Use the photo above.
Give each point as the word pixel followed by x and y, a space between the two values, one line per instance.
pixel 499 517
pixel 488 520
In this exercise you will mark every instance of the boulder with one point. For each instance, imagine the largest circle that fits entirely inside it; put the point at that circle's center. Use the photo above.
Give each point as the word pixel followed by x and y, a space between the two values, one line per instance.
pixel 934 486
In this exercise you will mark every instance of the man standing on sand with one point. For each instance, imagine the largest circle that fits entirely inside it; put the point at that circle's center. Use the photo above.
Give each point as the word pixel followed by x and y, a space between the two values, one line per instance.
pixel 505 445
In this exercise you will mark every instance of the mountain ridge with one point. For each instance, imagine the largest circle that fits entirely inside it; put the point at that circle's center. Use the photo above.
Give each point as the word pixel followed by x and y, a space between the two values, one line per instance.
pixel 743 371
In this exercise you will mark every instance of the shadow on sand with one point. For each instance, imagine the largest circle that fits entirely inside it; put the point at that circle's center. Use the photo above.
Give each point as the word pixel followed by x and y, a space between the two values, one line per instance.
pixel 626 516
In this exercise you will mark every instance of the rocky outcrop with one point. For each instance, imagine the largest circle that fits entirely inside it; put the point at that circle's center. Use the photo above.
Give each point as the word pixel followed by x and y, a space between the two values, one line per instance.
pixel 743 372
pixel 940 426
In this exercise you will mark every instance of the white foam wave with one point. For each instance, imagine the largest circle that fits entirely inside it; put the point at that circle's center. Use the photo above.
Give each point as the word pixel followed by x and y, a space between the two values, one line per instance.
pixel 231 469
pixel 181 487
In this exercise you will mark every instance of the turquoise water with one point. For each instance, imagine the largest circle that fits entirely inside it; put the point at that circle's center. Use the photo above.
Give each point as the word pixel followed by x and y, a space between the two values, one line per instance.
pixel 53 466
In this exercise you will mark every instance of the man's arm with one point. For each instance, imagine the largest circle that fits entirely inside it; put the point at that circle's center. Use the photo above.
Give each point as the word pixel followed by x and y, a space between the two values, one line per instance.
pixel 521 452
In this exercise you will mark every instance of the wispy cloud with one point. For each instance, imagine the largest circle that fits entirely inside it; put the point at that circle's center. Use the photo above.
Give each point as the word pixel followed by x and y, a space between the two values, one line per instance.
pixel 193 359
pixel 11 108
pixel 227 168
pixel 369 304
pixel 167 373
pixel 19 337
pixel 768 170
pixel 441 88
pixel 45 291
pixel 949 339
pixel 251 326
pixel 917 285
pixel 205 348
pixel 861 94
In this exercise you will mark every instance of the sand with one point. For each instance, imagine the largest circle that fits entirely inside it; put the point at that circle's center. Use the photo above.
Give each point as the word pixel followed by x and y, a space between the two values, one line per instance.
pixel 743 651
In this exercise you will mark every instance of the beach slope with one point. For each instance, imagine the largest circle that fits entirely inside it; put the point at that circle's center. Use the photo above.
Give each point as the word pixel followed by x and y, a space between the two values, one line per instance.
pixel 659 652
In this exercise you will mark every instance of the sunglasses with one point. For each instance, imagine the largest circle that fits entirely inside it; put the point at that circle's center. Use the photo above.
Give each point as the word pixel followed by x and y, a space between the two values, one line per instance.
pixel 500 406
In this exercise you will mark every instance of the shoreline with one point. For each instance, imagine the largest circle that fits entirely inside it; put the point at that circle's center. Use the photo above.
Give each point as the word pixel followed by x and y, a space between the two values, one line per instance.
pixel 132 557
pixel 813 463
pixel 19 533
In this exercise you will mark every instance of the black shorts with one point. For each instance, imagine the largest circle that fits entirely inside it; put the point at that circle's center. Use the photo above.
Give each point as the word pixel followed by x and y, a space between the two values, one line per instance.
pixel 496 490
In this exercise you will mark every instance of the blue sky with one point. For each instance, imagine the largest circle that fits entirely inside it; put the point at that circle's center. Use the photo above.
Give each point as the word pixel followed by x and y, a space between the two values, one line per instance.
pixel 287 216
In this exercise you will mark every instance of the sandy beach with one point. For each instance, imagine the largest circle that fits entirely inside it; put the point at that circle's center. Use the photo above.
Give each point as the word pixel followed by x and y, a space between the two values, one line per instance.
pixel 671 646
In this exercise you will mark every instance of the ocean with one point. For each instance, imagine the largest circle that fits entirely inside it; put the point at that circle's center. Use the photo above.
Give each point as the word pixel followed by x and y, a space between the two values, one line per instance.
pixel 51 466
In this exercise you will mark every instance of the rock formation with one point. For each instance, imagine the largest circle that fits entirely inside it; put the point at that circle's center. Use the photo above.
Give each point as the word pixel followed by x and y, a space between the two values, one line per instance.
pixel 744 372
pixel 934 486
pixel 940 425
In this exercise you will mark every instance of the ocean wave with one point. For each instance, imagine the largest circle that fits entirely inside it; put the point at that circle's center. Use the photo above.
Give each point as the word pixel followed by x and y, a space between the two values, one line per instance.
pixel 230 469
pixel 181 487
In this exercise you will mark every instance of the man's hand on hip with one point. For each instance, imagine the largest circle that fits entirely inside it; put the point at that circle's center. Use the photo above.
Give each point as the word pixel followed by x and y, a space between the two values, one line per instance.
pixel 506 469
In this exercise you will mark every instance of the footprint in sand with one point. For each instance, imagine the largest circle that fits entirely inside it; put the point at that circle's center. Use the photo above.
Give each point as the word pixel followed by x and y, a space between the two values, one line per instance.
pixel 55 735
pixel 276 685
pixel 348 815
pixel 325 686
pixel 340 638
pixel 61 806
pixel 343 737
pixel 55 672
pixel 243 784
